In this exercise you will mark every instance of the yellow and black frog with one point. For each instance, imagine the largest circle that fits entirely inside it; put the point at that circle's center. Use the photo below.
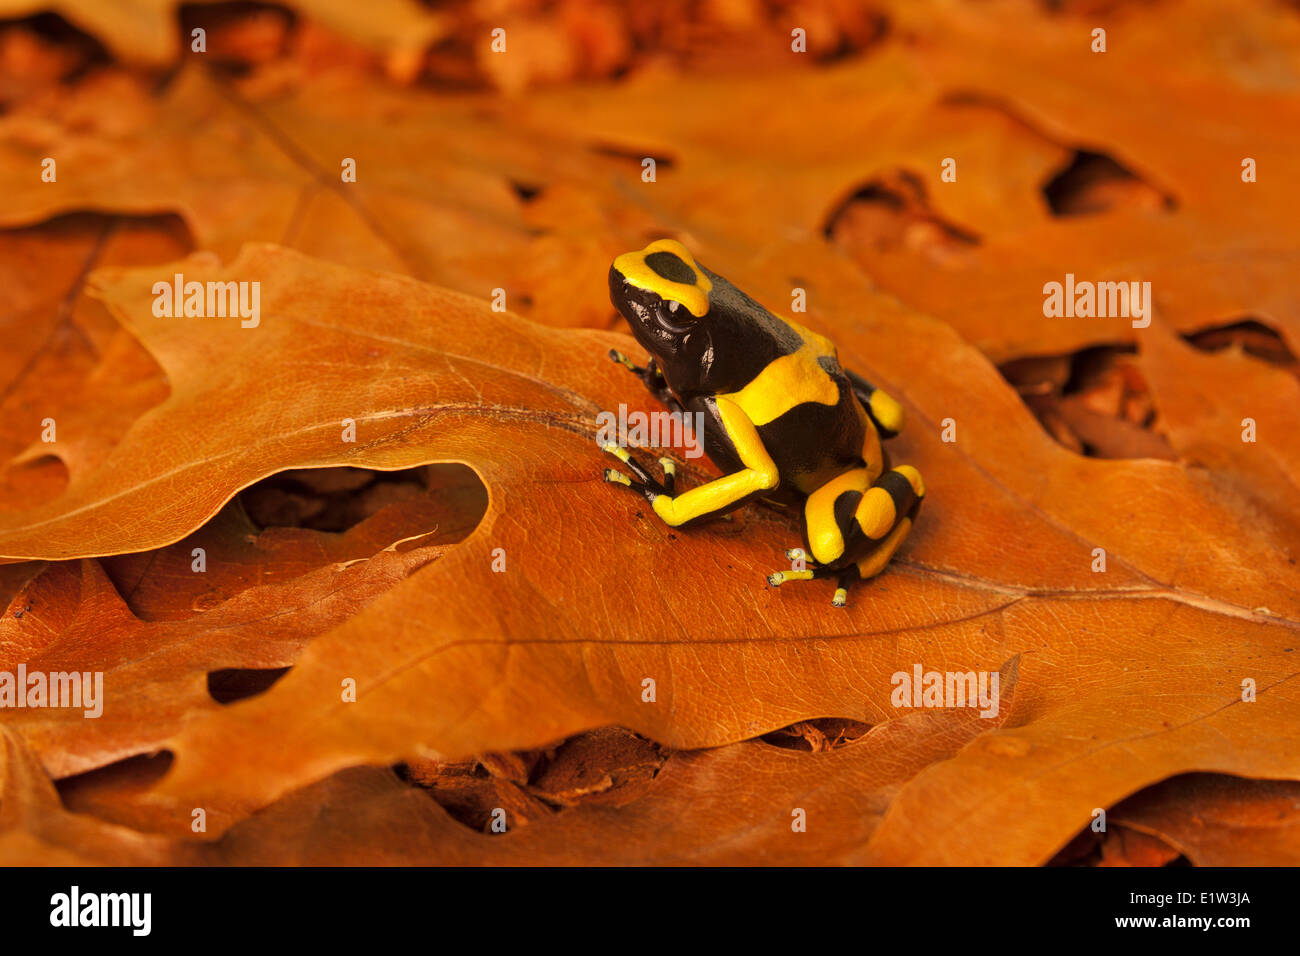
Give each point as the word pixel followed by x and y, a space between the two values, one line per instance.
pixel 782 420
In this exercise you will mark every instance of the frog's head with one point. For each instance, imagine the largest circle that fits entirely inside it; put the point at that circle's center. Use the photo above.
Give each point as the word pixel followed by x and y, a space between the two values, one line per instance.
pixel 664 295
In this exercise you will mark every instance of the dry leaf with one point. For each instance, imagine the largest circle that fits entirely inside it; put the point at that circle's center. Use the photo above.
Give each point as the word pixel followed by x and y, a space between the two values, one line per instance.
pixel 524 419
pixel 1114 511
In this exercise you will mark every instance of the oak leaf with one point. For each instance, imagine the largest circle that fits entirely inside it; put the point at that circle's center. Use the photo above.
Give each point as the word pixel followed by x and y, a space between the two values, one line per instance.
pixel 1002 562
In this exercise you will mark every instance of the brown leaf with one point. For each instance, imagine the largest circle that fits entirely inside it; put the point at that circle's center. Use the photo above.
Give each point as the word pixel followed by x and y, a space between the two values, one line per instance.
pixel 1152 605
pixel 149 35
pixel 1217 820
pixel 80 374
pixel 162 585
pixel 35 830
pixel 1232 414
pixel 149 678
pixel 524 421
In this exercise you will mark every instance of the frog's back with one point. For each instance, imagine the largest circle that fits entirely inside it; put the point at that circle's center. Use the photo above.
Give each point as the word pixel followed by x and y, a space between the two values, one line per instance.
pixel 812 442
pixel 806 413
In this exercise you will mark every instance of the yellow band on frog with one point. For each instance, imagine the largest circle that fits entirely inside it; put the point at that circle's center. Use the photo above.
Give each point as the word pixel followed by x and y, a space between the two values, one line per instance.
pixel 785 382
pixel 887 411
pixel 633 267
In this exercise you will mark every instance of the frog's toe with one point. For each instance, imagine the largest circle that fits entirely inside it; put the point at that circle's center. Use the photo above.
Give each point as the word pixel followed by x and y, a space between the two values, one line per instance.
pixel 844 578
pixel 670 474
pixel 778 578
pixel 622 454
pixel 651 489
pixel 639 481
pixel 650 374
pixel 641 477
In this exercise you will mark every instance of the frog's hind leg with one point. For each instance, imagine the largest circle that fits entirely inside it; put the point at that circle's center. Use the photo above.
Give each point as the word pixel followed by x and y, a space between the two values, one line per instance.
pixel 885 516
pixel 854 525
pixel 825 525
pixel 876 560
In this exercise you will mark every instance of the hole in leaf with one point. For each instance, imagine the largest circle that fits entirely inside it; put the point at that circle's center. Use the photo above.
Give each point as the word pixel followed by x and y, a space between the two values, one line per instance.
pixel 1094 402
pixel 1094 182
pixel 240 35
pixel 858 31
pixel 106 791
pixel 453 65
pixel 610 766
pixel 77 52
pixel 891 214
pixel 306 520
pixel 817 735
pixel 463 788
pixel 525 191
pixel 232 684
pixel 1118 846
pixel 327 499
pixel 336 499
pixel 1252 337
pixel 141 770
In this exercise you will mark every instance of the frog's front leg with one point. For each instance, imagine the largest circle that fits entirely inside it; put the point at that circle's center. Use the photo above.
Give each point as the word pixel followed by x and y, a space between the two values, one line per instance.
pixel 758 474
pixel 651 378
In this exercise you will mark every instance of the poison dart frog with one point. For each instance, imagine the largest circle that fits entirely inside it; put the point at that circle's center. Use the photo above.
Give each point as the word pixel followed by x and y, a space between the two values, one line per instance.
pixel 782 419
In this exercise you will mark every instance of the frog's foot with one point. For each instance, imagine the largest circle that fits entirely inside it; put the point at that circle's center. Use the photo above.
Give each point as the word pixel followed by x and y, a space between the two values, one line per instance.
pixel 855 524
pixel 651 377
pixel 802 568
pixel 847 577
pixel 641 480
pixel 816 572
pixel 866 567
pixel 778 578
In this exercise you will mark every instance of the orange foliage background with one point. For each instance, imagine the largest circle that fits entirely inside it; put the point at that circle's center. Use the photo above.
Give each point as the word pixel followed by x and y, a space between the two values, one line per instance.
pixel 460 566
